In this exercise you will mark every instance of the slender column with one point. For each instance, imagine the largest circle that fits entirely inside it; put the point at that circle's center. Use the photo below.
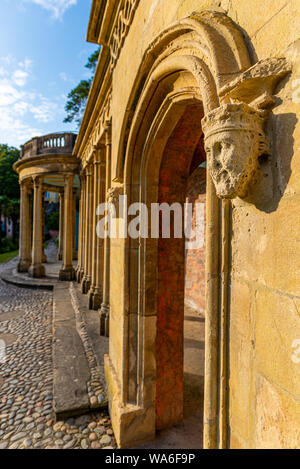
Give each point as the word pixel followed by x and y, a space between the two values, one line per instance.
pixel 37 269
pixel 86 281
pixel 96 290
pixel 74 227
pixel 104 311
pixel 67 272
pixel 61 227
pixel 25 229
pixel 82 218
pixel 44 257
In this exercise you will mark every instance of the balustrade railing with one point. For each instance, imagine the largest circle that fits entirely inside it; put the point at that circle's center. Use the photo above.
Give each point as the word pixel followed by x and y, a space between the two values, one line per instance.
pixel 49 144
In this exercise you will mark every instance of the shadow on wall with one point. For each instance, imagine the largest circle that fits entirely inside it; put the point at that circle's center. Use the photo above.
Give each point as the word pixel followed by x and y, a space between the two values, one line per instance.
pixel 275 171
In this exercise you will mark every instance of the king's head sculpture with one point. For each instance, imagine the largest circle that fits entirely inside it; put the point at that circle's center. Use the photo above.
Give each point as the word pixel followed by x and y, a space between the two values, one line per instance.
pixel 234 141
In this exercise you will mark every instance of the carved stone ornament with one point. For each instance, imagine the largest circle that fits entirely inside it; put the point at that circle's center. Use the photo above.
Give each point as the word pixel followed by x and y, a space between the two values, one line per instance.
pixel 234 132
pixel 234 140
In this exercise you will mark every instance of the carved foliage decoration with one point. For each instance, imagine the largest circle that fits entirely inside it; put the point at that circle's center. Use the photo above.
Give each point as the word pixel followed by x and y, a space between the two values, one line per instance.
pixel 234 132
pixel 124 20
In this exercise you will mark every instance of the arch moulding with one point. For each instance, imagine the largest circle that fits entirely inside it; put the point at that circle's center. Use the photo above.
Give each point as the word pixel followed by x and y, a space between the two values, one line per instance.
pixel 210 51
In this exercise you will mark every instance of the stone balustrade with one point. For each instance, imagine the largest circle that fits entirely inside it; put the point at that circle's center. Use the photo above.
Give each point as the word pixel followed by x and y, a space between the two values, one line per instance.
pixel 58 143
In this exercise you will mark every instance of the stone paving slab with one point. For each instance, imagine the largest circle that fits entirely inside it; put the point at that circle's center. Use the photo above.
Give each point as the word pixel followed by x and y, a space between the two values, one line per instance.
pixel 78 380
pixel 70 365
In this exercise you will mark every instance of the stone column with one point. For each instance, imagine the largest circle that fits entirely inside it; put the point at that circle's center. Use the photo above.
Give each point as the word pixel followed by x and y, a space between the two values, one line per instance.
pixel 67 273
pixel 82 218
pixel 104 311
pixel 25 229
pixel 44 257
pixel 37 270
pixel 61 227
pixel 74 226
pixel 96 290
pixel 88 252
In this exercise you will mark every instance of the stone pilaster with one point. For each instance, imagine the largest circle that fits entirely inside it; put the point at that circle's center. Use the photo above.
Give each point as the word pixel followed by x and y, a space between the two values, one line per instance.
pixel 37 270
pixel 75 255
pixel 88 251
pixel 25 229
pixel 67 272
pixel 96 290
pixel 105 308
pixel 82 218
pixel 61 227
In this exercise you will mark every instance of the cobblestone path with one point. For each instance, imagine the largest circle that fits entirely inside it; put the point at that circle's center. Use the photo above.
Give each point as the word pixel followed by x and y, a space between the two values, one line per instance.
pixel 26 415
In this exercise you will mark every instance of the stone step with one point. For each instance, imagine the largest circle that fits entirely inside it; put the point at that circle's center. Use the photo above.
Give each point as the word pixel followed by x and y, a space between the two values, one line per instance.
pixel 78 380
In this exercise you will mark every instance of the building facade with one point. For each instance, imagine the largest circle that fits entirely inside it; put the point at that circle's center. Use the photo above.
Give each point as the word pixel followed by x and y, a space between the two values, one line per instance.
pixel 196 101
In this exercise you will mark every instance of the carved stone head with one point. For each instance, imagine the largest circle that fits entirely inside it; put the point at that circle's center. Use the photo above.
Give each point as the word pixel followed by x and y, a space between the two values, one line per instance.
pixel 234 140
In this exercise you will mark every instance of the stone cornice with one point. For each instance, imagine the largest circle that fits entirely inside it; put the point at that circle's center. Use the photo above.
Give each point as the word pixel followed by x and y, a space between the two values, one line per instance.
pixel 96 102
pixel 109 24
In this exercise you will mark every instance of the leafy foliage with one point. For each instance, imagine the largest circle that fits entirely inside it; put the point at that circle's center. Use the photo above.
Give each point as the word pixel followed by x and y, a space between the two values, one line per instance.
pixel 77 97
pixel 9 194
pixel 52 221
pixel 9 183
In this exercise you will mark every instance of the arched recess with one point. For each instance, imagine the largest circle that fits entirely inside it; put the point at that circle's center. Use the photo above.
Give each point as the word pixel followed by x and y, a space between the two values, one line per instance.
pixel 184 68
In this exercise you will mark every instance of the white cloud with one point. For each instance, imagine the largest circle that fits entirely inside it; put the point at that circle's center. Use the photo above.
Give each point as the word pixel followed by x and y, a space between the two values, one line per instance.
pixel 63 76
pixel 3 72
pixel 45 111
pixel 57 7
pixel 8 93
pixel 20 77
pixel 23 111
pixel 26 65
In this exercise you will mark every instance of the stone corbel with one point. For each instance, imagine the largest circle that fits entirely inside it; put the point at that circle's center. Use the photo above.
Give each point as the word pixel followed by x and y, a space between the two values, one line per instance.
pixel 235 135
pixel 113 198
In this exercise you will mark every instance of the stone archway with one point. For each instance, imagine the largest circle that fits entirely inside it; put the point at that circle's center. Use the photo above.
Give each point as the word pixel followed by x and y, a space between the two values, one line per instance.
pixel 185 66
pixel 201 59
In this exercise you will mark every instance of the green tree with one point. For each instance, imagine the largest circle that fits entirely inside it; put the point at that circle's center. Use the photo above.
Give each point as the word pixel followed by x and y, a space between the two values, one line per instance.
pixel 9 188
pixel 9 181
pixel 77 97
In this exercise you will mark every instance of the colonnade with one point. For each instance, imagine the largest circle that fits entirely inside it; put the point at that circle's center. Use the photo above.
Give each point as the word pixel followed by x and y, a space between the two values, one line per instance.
pixel 31 247
pixel 93 271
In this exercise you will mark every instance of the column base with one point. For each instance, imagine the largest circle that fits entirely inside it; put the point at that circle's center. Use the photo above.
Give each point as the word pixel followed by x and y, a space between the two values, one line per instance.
pixel 23 266
pixel 37 271
pixel 78 274
pixel 75 256
pixel 85 285
pixel 59 256
pixel 67 274
pixel 44 259
pixel 104 320
pixel 95 299
pixel 132 425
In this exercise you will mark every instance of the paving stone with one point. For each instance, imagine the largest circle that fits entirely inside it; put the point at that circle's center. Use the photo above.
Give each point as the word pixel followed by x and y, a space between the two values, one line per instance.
pixel 26 380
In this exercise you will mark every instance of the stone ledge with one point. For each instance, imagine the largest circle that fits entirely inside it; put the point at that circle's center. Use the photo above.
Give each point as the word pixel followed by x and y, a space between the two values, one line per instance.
pixel 12 277
pixel 77 372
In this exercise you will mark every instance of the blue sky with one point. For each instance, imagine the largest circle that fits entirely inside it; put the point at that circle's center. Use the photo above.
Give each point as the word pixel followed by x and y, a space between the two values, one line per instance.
pixel 43 51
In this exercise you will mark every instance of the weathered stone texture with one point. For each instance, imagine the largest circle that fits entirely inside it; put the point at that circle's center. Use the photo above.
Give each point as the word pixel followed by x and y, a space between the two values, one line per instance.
pixel 262 230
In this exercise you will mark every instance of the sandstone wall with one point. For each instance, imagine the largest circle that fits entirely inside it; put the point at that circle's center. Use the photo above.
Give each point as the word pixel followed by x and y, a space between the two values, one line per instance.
pixel 265 280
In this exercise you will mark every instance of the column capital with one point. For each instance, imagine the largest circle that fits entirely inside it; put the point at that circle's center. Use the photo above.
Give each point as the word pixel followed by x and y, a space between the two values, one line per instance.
pixel 108 131
pixel 68 177
pixel 99 156
pixel 89 170
pixel 37 180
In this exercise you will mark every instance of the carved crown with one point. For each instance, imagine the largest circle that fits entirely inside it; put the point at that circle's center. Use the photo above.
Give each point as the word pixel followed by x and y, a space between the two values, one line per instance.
pixel 233 117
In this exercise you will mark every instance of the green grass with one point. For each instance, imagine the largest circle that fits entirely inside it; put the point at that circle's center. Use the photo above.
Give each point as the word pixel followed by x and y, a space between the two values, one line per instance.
pixel 7 256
